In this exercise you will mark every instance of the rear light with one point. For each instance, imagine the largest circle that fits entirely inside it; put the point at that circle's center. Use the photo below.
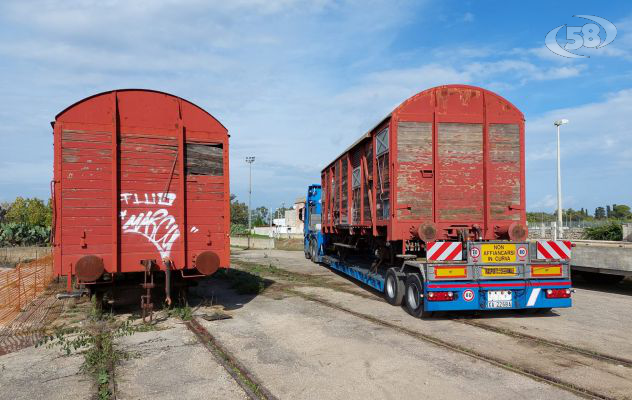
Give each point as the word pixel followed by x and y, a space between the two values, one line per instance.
pixel 440 296
pixel 558 293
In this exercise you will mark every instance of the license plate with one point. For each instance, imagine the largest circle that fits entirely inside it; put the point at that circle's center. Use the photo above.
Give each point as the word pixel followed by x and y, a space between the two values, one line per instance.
pixel 498 271
pixel 498 253
pixel 499 299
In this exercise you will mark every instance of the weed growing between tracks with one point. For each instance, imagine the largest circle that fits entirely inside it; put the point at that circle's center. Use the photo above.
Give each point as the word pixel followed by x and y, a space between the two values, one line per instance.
pixel 95 340
pixel 184 312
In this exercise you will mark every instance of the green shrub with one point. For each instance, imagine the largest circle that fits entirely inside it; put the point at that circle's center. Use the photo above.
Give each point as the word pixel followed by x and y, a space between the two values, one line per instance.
pixel 23 234
pixel 609 231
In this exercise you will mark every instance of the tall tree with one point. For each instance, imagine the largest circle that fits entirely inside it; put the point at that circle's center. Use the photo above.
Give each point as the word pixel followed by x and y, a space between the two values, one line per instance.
pixel 600 213
pixel 30 212
pixel 621 211
pixel 238 211
pixel 260 216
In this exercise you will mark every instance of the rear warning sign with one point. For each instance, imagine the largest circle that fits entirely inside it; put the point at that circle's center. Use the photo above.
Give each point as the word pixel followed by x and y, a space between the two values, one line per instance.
pixel 498 253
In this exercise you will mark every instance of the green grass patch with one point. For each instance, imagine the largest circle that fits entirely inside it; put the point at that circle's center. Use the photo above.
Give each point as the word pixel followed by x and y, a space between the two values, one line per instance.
pixel 183 312
pixel 95 341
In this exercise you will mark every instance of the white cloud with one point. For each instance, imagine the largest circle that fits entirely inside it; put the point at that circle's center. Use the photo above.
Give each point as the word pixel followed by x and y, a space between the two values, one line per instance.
pixel 295 82
pixel 596 153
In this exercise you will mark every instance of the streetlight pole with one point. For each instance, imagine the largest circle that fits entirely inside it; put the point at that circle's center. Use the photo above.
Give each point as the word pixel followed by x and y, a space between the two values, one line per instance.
pixel 249 160
pixel 558 233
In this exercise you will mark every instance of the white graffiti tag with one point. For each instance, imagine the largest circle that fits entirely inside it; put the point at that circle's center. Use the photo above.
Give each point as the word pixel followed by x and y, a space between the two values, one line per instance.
pixel 157 226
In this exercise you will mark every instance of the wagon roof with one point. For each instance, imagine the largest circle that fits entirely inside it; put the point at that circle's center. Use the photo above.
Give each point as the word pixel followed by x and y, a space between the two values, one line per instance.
pixel 403 103
pixel 136 90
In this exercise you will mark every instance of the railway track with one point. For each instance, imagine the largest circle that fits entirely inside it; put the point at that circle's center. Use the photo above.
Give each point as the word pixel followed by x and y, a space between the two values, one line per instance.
pixel 254 389
pixel 519 335
pixel 540 377
pixel 566 350
pixel 373 295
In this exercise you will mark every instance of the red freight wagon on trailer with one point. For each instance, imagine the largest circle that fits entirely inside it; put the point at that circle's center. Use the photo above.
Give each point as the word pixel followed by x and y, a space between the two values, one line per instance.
pixel 447 163
pixel 430 204
pixel 141 184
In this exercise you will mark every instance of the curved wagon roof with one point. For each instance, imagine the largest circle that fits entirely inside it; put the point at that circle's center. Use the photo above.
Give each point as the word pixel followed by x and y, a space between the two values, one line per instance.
pixel 464 101
pixel 142 108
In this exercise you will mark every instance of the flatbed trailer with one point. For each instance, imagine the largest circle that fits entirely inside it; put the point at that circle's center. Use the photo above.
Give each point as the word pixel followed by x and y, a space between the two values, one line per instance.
pixel 468 294
pixel 470 275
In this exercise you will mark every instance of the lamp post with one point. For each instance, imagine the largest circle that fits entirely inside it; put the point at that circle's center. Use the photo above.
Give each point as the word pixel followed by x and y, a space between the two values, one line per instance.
pixel 558 233
pixel 249 160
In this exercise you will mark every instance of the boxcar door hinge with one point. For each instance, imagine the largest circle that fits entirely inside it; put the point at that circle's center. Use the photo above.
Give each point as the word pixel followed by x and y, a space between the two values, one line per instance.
pixel 83 240
pixel 426 173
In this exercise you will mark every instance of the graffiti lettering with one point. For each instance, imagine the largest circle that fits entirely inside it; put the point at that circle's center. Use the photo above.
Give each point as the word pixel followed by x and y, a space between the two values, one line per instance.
pixel 162 199
pixel 159 227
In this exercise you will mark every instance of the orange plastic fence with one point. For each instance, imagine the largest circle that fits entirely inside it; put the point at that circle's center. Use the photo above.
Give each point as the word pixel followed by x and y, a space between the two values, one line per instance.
pixel 22 284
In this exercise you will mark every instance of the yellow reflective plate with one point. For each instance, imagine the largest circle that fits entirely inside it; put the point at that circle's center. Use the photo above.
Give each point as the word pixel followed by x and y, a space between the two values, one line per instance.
pixel 546 270
pixel 498 253
pixel 450 272
pixel 499 271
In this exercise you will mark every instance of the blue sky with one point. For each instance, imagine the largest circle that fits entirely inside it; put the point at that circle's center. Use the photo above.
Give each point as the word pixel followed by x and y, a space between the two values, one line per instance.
pixel 296 82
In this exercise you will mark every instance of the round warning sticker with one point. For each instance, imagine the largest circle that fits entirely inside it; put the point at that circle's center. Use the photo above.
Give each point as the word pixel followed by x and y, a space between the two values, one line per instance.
pixel 468 295
pixel 522 252
pixel 475 252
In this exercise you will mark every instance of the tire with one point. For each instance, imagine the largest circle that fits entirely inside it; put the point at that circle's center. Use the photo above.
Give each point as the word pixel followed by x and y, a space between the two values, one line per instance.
pixel 308 251
pixel 394 288
pixel 313 246
pixel 414 302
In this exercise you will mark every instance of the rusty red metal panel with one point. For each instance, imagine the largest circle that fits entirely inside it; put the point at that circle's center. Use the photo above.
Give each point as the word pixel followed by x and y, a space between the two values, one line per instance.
pixel 123 191
pixel 456 162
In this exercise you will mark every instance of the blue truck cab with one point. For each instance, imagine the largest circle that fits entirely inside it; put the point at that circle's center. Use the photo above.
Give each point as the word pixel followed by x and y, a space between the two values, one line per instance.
pixel 313 243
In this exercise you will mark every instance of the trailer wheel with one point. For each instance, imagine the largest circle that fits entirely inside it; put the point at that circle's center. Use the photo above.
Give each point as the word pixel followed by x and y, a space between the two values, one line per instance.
pixel 394 288
pixel 308 250
pixel 414 301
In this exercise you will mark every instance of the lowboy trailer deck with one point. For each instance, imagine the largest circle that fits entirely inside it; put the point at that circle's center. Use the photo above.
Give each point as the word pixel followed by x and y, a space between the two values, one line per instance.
pixel 455 275
pixel 527 284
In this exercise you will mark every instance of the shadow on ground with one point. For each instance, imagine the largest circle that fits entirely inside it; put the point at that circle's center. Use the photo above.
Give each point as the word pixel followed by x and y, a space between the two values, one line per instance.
pixel 231 289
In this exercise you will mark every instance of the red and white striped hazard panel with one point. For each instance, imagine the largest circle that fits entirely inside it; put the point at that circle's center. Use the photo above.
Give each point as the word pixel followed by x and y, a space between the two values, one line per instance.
pixel 554 250
pixel 444 251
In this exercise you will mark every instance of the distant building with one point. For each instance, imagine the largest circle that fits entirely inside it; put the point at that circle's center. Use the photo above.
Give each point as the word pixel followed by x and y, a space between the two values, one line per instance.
pixel 292 225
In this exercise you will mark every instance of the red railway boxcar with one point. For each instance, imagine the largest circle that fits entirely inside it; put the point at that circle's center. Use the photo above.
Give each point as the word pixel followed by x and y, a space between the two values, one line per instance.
pixel 428 207
pixel 446 164
pixel 140 184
